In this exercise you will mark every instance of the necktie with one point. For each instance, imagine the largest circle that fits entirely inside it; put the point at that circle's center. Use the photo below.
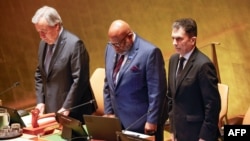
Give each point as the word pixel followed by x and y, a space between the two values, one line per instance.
pixel 181 61
pixel 48 57
pixel 117 67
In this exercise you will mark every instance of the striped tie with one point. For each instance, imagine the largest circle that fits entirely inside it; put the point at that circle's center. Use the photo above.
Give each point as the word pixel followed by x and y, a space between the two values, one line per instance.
pixel 117 67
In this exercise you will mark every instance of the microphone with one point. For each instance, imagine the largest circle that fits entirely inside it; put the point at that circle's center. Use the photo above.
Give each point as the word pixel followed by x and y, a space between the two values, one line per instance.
pixel 13 86
pixel 89 102
pixel 134 135
pixel 138 120
pixel 72 128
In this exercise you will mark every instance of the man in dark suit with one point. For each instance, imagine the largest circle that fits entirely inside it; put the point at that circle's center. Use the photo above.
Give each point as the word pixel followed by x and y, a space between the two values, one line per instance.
pixel 195 100
pixel 135 92
pixel 62 75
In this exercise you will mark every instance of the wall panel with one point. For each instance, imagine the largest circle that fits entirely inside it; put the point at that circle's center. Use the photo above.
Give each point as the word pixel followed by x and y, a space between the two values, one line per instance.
pixel 225 21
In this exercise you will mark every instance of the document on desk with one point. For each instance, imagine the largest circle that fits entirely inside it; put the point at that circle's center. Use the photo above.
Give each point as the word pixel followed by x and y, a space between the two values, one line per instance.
pixel 19 139
pixel 24 137
pixel 27 120
pixel 144 136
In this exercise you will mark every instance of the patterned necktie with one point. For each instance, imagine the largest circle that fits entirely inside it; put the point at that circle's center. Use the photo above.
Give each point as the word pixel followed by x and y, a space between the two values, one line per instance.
pixel 117 67
pixel 48 57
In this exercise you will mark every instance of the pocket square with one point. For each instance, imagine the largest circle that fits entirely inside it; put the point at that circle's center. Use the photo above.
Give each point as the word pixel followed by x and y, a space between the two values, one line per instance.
pixel 135 69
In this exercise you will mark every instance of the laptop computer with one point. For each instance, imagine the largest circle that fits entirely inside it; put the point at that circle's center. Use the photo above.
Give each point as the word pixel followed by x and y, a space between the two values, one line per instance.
pixel 102 128
pixel 14 116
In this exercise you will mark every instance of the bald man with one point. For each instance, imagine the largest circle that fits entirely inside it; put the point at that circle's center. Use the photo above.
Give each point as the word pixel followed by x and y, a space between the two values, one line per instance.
pixel 135 91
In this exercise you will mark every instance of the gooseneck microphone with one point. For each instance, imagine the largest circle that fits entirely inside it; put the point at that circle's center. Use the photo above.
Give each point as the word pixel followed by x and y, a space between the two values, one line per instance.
pixel 13 86
pixel 138 120
pixel 72 128
pixel 80 105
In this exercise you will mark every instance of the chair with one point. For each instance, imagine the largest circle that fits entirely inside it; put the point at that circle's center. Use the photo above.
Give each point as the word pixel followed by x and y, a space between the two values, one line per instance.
pixel 97 83
pixel 246 119
pixel 223 119
pixel 224 91
pixel 242 119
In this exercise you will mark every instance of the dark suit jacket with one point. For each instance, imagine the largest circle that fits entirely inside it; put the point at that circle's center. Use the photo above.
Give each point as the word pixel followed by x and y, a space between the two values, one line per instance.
pixel 67 82
pixel 195 100
pixel 140 88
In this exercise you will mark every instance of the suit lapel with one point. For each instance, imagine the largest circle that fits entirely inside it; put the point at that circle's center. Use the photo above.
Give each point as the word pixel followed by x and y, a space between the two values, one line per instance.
pixel 113 66
pixel 130 57
pixel 187 68
pixel 43 46
pixel 58 49
pixel 174 69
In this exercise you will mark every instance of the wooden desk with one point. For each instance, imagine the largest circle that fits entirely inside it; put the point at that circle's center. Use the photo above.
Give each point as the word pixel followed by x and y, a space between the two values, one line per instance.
pixel 56 136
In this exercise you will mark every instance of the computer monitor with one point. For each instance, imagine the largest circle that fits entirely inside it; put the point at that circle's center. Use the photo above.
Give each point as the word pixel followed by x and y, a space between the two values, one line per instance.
pixel 102 128
pixel 72 128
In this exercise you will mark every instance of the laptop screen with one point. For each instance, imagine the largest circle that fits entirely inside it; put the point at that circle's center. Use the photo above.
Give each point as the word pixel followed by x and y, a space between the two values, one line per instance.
pixel 102 128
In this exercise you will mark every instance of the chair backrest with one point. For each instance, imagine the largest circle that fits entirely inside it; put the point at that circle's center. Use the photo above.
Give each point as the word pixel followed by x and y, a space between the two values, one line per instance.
pixel 97 83
pixel 246 119
pixel 224 91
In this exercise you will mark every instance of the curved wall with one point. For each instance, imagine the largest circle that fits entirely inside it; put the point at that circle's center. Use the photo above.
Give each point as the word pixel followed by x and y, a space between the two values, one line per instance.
pixel 226 22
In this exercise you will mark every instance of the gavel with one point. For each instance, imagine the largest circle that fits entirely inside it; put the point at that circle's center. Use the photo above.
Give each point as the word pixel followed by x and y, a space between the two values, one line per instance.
pixel 35 117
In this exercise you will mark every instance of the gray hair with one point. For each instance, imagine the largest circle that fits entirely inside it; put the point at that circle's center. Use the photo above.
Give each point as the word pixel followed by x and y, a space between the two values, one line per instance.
pixel 49 13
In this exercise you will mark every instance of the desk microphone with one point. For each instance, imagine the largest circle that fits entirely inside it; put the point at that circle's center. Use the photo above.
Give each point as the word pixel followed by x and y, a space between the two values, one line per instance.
pixel 138 120
pixel 89 102
pixel 13 86
pixel 67 131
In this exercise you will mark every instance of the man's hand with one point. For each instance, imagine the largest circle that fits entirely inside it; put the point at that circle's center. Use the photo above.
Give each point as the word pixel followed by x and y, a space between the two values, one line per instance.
pixel 109 115
pixel 40 107
pixel 150 128
pixel 63 111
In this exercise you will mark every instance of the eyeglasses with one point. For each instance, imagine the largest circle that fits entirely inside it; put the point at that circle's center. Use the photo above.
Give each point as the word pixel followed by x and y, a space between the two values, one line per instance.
pixel 47 29
pixel 118 44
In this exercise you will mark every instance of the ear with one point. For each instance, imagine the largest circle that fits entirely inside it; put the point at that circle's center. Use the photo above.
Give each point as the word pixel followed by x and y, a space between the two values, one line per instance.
pixel 58 26
pixel 130 34
pixel 193 39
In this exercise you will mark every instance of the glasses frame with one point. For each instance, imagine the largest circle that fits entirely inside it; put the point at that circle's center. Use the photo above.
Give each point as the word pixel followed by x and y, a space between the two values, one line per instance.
pixel 47 30
pixel 118 44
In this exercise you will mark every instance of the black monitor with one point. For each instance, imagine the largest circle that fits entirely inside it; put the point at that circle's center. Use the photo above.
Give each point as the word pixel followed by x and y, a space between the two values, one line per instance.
pixel 72 128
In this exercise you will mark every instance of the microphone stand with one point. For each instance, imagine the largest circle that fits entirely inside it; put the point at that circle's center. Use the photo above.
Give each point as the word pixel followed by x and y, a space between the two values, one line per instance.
pixel 13 86
pixel 6 90
pixel 132 136
pixel 131 125
pixel 77 106
pixel 67 132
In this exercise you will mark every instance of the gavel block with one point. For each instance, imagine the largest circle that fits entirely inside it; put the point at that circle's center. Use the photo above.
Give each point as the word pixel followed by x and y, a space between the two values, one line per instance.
pixel 41 124
pixel 41 130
